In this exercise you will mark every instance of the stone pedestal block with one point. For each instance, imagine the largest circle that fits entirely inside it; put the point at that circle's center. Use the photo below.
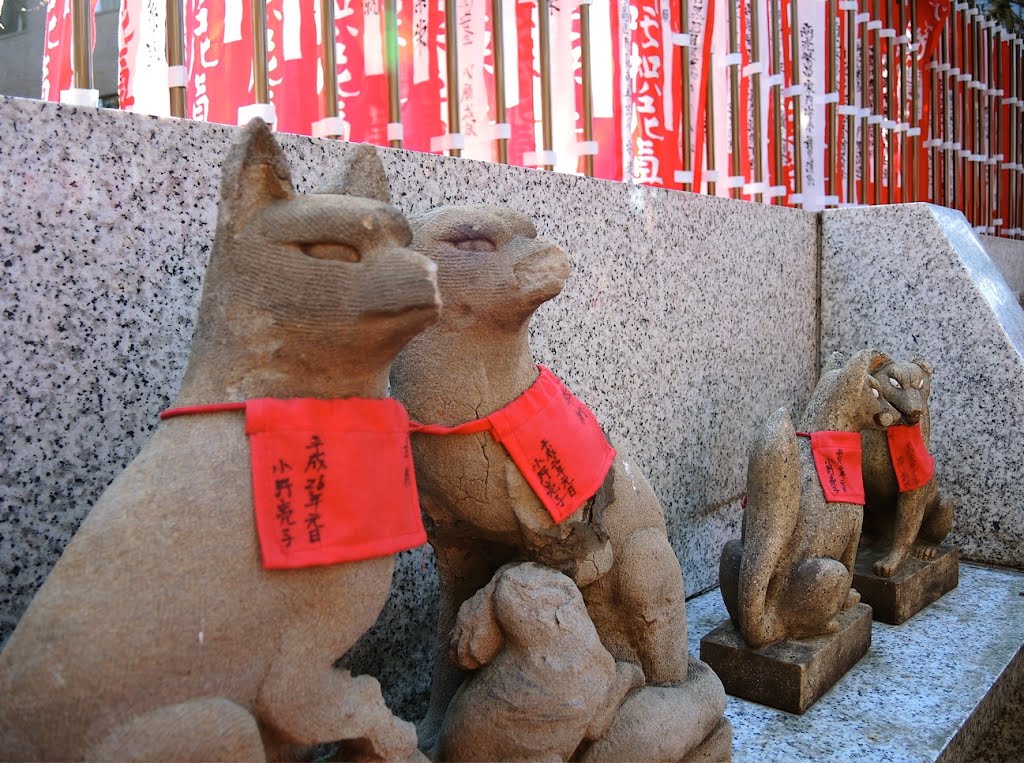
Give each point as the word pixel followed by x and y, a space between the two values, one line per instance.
pixel 788 675
pixel 916 584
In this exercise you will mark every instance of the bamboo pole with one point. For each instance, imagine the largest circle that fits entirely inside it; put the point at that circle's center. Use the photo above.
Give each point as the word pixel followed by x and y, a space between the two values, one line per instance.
pixel 831 118
pixel 794 34
pixel 902 103
pixel 544 34
pixel 775 34
pixel 938 176
pixel 865 101
pixel 587 86
pixel 914 141
pixel 81 45
pixel 755 87
pixel 391 66
pixel 956 134
pixel 851 122
pixel 878 105
pixel 892 108
pixel 451 55
pixel 978 107
pixel 734 99
pixel 176 54
pixel 259 51
pixel 498 46
pixel 709 132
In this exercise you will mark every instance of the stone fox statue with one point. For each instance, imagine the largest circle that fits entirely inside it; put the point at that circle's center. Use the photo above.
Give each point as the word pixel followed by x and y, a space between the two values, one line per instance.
pixel 915 521
pixel 493 274
pixel 790 573
pixel 159 635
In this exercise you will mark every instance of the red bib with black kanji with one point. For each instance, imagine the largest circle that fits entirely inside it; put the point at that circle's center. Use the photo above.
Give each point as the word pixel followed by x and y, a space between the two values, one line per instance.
pixel 837 459
pixel 913 464
pixel 554 440
pixel 332 480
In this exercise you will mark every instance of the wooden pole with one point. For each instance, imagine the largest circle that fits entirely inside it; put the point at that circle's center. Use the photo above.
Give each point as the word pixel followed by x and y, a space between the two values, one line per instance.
pixel 451 54
pixel 176 54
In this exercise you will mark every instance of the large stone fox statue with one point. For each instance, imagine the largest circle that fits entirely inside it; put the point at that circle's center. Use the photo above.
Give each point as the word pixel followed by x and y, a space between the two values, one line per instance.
pixel 159 635
pixel 493 274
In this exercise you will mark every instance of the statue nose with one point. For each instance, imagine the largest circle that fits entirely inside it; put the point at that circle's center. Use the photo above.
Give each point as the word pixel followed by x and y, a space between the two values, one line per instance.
pixel 913 416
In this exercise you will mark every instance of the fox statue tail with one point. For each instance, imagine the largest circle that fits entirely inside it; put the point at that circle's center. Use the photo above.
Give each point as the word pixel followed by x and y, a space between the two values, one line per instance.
pixel 773 504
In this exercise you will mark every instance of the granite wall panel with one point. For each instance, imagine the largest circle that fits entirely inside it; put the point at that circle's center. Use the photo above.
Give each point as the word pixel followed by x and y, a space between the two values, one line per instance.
pixel 1008 256
pixel 686 321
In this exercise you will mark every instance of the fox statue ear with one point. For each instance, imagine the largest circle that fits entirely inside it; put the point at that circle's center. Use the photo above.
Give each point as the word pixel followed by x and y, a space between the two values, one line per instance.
pixel 921 363
pixel 361 173
pixel 254 174
pixel 878 360
pixel 834 362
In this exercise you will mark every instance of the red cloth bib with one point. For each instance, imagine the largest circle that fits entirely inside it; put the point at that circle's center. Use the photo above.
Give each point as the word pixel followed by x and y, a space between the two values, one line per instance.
pixel 913 464
pixel 837 459
pixel 554 440
pixel 332 480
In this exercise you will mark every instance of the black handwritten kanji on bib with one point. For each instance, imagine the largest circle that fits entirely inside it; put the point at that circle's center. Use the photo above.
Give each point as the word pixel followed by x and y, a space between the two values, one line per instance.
pixel 315 485
pixel 557 485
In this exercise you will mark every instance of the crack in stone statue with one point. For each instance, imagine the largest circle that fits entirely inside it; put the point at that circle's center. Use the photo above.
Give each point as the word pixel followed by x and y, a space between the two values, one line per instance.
pixel 790 574
pixel 494 273
pixel 158 635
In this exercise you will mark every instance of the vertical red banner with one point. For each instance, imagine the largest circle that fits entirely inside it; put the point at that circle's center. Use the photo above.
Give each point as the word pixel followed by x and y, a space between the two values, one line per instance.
pixel 655 118
pixel 420 27
pixel 218 59
pixel 57 50
pixel 293 61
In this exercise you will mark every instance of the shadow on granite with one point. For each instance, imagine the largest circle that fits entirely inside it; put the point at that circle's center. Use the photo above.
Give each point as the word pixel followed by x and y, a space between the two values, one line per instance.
pixel 923 692
pixel 1008 256
pixel 921 282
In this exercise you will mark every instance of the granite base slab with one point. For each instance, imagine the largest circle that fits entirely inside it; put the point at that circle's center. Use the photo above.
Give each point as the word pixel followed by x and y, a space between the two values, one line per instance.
pixel 916 584
pixel 789 675
pixel 927 690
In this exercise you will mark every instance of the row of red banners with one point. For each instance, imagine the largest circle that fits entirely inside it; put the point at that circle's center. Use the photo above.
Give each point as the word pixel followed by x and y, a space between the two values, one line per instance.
pixel 637 53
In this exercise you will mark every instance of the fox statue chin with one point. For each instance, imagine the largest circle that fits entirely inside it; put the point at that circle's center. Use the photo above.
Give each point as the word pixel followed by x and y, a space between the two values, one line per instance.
pixel 159 635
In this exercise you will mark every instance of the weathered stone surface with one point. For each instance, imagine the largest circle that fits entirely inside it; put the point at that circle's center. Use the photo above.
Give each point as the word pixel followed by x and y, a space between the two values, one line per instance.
pixel 915 585
pixel 788 675
pixel 159 635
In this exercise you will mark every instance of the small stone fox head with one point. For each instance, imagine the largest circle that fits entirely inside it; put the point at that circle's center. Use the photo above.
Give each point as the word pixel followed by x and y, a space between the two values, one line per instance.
pixel 906 386
pixel 305 287
pixel 492 269
pixel 849 397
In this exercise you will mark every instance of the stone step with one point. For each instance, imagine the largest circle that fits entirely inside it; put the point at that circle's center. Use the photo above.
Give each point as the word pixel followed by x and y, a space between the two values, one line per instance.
pixel 927 690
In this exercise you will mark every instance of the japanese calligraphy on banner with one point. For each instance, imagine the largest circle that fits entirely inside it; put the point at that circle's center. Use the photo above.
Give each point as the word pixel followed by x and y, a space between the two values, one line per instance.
pixel 57 49
pixel 142 62
pixel 837 459
pixel 218 59
pixel 655 79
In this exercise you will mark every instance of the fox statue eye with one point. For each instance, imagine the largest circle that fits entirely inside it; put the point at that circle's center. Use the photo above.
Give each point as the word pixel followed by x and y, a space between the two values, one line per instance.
pixel 474 245
pixel 331 251
pixel 874 392
pixel 895 383
pixel 918 384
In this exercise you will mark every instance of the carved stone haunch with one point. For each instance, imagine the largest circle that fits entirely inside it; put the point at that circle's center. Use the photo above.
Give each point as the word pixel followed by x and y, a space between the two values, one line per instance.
pixel 159 635
pixel 494 273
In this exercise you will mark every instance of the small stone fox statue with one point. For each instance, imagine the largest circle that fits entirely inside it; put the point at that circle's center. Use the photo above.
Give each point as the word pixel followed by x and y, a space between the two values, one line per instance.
pixel 915 521
pixel 790 573
pixel 159 635
pixel 543 680
pixel 494 273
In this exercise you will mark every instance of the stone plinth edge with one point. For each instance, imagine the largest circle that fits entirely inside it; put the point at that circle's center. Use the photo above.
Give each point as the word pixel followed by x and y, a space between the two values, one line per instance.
pixel 916 584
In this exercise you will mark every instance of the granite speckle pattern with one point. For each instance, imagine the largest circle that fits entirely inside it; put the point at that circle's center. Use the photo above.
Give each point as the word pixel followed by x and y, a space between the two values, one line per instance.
pixel 686 321
pixel 921 693
pixel 922 283
pixel 1008 256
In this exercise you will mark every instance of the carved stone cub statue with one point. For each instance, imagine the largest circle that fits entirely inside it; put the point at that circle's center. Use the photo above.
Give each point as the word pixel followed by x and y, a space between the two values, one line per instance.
pixel 159 635
pixel 918 520
pixel 790 573
pixel 494 273
pixel 543 681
